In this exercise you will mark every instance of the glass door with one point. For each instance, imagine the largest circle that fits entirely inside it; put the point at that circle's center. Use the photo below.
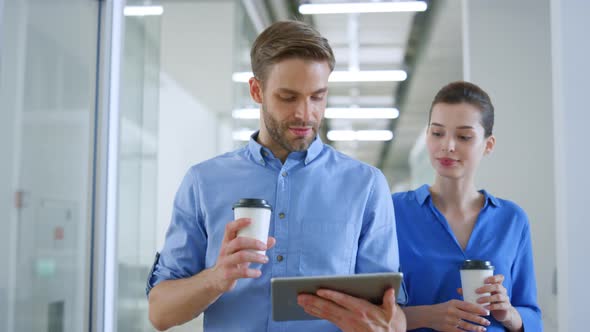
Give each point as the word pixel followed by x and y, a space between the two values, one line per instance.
pixel 48 61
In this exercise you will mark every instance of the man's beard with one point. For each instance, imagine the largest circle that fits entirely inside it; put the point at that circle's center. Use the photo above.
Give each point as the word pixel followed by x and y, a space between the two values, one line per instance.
pixel 278 132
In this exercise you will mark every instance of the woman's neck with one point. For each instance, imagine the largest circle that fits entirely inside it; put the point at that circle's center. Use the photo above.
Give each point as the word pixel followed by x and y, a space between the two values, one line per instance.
pixel 454 194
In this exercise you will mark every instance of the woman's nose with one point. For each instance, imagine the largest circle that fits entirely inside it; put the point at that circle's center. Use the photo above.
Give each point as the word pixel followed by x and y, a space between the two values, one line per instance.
pixel 449 145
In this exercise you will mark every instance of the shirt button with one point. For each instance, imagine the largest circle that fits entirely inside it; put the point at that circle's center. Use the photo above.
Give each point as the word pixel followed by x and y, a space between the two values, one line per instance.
pixel 284 174
pixel 281 215
pixel 279 258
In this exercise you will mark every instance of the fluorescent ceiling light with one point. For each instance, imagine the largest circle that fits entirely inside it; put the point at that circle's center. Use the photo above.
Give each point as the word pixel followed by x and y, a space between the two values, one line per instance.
pixel 242 135
pixel 360 135
pixel 365 99
pixel 332 113
pixel 368 76
pixel 363 7
pixel 346 76
pixel 246 113
pixel 361 113
pixel 143 10
pixel 242 77
pixel 342 135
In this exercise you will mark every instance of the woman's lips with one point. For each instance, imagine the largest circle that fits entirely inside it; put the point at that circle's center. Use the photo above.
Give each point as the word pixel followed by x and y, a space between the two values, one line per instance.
pixel 447 162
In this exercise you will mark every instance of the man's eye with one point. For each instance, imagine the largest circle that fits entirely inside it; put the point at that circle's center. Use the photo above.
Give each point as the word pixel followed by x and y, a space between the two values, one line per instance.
pixel 464 138
pixel 287 98
pixel 437 134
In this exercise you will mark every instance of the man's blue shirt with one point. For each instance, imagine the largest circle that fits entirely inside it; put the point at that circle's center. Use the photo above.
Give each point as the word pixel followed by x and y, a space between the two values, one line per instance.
pixel 431 256
pixel 330 215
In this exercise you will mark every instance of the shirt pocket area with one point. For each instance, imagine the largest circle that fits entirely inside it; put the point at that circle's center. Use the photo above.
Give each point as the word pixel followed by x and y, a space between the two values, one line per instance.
pixel 327 248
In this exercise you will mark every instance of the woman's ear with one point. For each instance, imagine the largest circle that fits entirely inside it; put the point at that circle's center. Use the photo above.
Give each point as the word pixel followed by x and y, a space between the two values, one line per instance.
pixel 490 144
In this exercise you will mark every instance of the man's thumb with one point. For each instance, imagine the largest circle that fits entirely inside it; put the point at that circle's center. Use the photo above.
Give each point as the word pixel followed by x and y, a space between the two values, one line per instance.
pixel 389 300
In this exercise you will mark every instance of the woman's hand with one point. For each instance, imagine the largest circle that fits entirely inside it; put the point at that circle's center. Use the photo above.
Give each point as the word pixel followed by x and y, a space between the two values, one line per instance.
pixel 457 316
pixel 499 303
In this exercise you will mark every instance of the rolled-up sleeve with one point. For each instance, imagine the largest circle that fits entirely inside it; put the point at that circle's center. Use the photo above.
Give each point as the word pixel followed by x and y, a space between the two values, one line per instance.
pixel 524 287
pixel 378 248
pixel 183 254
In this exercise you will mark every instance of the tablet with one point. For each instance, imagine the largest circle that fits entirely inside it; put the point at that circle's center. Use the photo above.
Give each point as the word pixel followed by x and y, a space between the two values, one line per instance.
pixel 369 286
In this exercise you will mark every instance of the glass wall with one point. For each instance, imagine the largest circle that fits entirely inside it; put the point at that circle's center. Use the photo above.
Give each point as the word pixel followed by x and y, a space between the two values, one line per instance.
pixel 47 109
pixel 175 111
pixel 137 161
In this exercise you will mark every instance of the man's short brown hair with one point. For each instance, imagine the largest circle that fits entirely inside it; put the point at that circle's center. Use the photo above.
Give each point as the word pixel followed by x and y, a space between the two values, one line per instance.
pixel 288 39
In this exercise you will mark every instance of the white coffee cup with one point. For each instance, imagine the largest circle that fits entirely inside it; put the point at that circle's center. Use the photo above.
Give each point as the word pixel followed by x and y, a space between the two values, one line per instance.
pixel 473 276
pixel 259 211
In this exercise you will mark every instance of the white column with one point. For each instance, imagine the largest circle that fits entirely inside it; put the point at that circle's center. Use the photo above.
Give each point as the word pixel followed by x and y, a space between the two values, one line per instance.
pixel 197 46
pixel 508 53
pixel 571 51
pixel 197 49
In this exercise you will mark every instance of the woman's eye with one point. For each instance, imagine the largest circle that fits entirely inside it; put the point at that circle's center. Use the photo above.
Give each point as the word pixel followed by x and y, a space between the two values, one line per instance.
pixel 437 134
pixel 464 138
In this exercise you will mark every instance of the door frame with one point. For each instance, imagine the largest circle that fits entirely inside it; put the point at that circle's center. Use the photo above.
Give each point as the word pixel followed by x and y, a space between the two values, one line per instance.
pixel 103 300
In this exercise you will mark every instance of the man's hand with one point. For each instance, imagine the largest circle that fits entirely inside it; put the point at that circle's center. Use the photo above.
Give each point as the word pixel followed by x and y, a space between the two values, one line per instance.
pixel 352 314
pixel 235 256
pixel 174 302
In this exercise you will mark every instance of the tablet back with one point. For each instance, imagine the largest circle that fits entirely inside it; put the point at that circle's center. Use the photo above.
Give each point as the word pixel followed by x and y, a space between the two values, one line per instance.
pixel 370 286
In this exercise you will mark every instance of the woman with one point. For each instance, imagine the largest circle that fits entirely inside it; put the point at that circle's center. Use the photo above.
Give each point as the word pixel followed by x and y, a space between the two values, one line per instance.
pixel 441 225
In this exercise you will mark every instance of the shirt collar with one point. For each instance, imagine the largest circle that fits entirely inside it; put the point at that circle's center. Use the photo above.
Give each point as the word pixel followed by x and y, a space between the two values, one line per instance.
pixel 423 193
pixel 314 149
pixel 258 151
pixel 490 199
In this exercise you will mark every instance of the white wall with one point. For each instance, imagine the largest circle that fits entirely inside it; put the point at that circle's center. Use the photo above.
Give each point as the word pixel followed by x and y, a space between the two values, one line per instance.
pixel 571 51
pixel 198 50
pixel 196 95
pixel 420 167
pixel 195 89
pixel 508 53
pixel 186 136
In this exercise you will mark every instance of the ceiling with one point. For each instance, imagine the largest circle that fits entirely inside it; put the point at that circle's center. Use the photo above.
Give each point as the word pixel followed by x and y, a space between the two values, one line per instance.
pixel 427 45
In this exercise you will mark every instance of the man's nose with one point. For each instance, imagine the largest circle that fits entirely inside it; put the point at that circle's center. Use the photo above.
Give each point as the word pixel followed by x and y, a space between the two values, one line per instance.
pixel 304 111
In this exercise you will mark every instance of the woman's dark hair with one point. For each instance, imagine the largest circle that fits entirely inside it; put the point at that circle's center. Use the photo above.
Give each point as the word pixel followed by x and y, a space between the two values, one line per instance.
pixel 465 92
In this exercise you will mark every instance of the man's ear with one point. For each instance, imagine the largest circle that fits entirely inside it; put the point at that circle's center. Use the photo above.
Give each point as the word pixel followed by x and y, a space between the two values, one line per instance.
pixel 255 90
pixel 490 144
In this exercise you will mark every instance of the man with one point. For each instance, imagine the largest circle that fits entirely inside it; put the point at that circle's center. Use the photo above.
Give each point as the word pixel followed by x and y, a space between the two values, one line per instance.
pixel 331 214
